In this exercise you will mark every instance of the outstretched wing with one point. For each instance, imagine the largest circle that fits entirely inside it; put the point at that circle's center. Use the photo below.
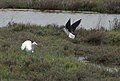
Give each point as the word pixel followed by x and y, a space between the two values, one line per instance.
pixel 68 25
pixel 75 25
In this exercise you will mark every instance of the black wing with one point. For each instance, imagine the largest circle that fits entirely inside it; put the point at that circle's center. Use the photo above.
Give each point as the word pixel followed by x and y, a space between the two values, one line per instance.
pixel 68 25
pixel 75 25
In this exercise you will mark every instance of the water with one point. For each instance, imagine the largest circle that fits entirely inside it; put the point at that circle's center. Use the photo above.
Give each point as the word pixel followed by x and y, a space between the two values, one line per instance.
pixel 109 69
pixel 44 18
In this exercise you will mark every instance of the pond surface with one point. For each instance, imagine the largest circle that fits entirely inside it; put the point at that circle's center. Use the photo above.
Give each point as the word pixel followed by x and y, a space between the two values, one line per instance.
pixel 45 18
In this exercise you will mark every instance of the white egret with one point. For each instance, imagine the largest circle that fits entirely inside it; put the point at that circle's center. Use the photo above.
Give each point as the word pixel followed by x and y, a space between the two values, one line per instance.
pixel 69 29
pixel 28 46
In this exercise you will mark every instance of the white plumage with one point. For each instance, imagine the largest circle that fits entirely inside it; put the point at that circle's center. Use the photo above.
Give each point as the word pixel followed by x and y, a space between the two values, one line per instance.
pixel 72 36
pixel 28 46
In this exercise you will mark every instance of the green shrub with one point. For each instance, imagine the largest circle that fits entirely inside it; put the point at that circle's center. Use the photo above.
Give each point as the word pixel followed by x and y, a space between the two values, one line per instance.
pixel 113 38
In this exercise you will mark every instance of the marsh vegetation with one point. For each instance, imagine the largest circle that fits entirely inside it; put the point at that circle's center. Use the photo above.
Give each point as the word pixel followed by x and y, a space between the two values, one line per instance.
pixel 103 6
pixel 53 59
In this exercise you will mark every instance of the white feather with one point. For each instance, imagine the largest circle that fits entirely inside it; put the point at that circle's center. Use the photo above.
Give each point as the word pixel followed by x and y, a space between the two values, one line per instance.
pixel 72 36
pixel 28 46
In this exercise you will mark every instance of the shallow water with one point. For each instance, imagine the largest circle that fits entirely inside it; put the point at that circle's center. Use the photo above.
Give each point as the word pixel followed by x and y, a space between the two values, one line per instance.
pixel 44 18
pixel 109 69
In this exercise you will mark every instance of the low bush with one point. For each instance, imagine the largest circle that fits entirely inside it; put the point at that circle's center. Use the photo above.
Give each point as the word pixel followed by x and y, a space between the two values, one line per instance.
pixel 113 38
pixel 96 37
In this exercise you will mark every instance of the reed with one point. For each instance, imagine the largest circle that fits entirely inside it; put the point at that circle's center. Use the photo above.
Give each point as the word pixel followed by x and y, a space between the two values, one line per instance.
pixel 102 6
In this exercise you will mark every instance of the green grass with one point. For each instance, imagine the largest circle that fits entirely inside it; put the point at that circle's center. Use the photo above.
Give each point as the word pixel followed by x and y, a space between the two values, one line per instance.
pixel 102 6
pixel 53 59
